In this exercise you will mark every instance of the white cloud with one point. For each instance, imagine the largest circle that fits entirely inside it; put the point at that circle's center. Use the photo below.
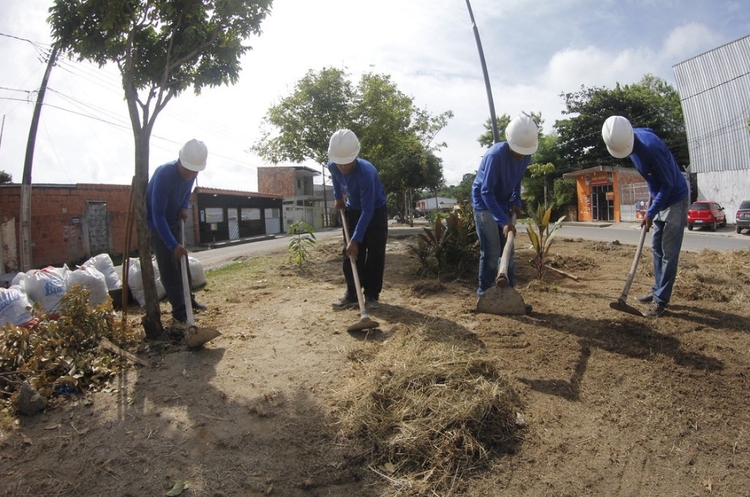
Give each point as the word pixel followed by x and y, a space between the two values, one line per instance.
pixel 688 41
pixel 426 46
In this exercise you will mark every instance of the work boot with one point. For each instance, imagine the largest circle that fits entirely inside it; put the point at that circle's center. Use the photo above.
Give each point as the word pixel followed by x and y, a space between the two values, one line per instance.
pixel 645 298
pixel 371 303
pixel 655 310
pixel 198 307
pixel 344 302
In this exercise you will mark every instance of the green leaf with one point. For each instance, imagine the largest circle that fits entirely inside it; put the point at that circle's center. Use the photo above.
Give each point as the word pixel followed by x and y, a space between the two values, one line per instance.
pixel 178 487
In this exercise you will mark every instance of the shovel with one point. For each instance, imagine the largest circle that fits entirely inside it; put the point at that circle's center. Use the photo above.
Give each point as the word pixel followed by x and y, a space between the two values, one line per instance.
pixel 501 298
pixel 621 303
pixel 195 336
pixel 364 320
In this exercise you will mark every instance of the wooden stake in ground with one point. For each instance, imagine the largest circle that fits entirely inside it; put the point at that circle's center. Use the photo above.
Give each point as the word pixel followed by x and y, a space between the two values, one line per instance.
pixel 107 345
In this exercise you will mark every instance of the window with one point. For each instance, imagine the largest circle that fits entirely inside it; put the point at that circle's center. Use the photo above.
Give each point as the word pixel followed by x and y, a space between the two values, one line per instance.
pixel 250 214
pixel 214 215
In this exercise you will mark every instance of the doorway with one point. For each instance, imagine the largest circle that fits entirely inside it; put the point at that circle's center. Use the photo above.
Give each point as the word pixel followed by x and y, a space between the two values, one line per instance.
pixel 602 203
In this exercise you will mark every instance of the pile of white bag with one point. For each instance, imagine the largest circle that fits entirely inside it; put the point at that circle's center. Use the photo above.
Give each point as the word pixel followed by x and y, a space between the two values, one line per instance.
pixel 48 286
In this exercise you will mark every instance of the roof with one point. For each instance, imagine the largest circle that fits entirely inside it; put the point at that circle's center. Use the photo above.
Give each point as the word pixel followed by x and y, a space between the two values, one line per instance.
pixel 314 172
pixel 597 169
pixel 234 193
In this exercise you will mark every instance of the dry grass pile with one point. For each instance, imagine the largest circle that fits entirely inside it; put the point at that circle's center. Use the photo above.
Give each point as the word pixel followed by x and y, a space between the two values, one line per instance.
pixel 62 356
pixel 727 279
pixel 430 412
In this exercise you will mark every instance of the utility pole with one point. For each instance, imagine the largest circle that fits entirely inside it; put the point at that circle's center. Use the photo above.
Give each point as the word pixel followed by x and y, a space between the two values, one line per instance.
pixel 2 128
pixel 325 199
pixel 25 221
pixel 493 120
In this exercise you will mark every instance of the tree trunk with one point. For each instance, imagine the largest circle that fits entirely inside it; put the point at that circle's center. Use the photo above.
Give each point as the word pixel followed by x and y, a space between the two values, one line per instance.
pixel 152 319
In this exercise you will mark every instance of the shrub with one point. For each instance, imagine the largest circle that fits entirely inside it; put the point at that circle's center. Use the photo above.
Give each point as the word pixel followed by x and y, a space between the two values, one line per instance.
pixel 449 248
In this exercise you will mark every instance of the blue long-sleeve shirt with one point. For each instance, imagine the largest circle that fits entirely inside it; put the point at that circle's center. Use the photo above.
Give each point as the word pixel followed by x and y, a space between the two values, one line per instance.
pixel 167 193
pixel 364 192
pixel 657 165
pixel 497 185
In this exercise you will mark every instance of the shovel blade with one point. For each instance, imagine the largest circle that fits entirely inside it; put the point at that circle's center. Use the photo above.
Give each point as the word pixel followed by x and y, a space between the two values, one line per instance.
pixel 196 336
pixel 498 300
pixel 364 324
pixel 622 306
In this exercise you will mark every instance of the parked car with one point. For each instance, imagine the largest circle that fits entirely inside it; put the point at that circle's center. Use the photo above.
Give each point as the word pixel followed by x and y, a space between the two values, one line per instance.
pixel 742 218
pixel 706 213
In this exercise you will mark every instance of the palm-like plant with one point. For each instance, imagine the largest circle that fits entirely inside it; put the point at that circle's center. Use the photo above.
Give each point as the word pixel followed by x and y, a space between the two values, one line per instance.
pixel 541 239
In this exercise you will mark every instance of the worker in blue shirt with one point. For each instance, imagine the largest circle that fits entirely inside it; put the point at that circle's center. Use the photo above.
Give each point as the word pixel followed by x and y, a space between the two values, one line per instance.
pixel 167 198
pixel 357 189
pixel 496 193
pixel 669 201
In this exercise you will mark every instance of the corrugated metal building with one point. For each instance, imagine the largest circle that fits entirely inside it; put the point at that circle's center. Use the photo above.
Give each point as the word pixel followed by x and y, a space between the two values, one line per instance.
pixel 714 90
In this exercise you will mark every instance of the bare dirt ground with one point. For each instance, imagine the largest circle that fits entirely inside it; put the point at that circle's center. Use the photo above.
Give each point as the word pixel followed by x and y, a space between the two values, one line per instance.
pixel 614 404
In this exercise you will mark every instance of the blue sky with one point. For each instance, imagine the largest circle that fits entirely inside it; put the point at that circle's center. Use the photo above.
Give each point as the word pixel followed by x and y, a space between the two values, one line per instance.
pixel 535 51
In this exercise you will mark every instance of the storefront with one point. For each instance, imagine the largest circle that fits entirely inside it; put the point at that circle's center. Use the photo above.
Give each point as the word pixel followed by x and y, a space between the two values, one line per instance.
pixel 610 194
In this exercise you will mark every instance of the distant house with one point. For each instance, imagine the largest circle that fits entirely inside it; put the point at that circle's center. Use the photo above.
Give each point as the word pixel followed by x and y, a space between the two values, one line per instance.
pixel 714 90
pixel 303 200
pixel 225 215
pixel 71 223
pixel 440 204
pixel 607 193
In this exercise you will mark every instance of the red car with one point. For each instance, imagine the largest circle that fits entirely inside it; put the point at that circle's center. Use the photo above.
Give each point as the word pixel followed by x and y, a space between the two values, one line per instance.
pixel 706 213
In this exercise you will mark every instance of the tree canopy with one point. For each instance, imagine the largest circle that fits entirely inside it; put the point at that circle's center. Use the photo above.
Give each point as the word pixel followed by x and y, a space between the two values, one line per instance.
pixel 5 177
pixel 395 135
pixel 161 47
pixel 650 103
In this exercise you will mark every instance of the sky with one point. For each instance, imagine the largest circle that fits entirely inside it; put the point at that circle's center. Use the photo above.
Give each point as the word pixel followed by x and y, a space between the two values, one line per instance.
pixel 535 51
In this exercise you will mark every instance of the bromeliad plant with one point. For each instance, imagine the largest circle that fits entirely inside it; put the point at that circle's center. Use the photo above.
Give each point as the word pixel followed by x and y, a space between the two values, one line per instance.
pixel 302 240
pixel 541 239
pixel 449 248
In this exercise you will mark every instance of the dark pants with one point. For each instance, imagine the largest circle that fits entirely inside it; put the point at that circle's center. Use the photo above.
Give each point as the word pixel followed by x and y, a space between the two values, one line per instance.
pixel 170 273
pixel 371 256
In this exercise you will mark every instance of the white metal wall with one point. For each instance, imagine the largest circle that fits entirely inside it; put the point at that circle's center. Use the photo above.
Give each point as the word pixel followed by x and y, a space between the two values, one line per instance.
pixel 714 90
pixel 728 188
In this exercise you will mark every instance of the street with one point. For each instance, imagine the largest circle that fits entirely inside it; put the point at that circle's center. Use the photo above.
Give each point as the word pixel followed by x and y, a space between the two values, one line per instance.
pixel 724 239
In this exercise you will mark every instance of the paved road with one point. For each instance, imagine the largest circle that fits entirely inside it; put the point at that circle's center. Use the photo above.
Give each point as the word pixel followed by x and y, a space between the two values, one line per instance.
pixel 723 239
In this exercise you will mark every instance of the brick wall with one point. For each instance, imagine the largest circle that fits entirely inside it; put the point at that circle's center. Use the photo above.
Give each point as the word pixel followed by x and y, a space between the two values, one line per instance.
pixel 277 181
pixel 58 220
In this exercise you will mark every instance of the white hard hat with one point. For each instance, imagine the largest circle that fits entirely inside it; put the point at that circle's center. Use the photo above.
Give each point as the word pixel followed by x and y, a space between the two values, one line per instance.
pixel 193 155
pixel 522 135
pixel 618 136
pixel 343 147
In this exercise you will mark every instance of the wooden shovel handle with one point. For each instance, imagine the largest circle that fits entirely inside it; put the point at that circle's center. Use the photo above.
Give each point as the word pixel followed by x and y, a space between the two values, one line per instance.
pixel 502 273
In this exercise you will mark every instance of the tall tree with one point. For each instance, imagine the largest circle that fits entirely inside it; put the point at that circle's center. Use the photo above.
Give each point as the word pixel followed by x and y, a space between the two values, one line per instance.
pixel 463 190
pixel 651 103
pixel 161 47
pixel 5 177
pixel 299 127
pixel 394 135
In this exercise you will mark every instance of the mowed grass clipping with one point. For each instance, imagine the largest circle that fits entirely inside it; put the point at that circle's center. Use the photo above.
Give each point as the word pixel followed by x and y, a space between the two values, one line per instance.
pixel 429 410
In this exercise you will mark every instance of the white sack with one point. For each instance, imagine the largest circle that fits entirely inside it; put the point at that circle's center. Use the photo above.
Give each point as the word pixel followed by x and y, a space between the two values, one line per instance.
pixel 47 287
pixel 14 307
pixel 92 279
pixel 135 281
pixel 103 262
pixel 197 274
